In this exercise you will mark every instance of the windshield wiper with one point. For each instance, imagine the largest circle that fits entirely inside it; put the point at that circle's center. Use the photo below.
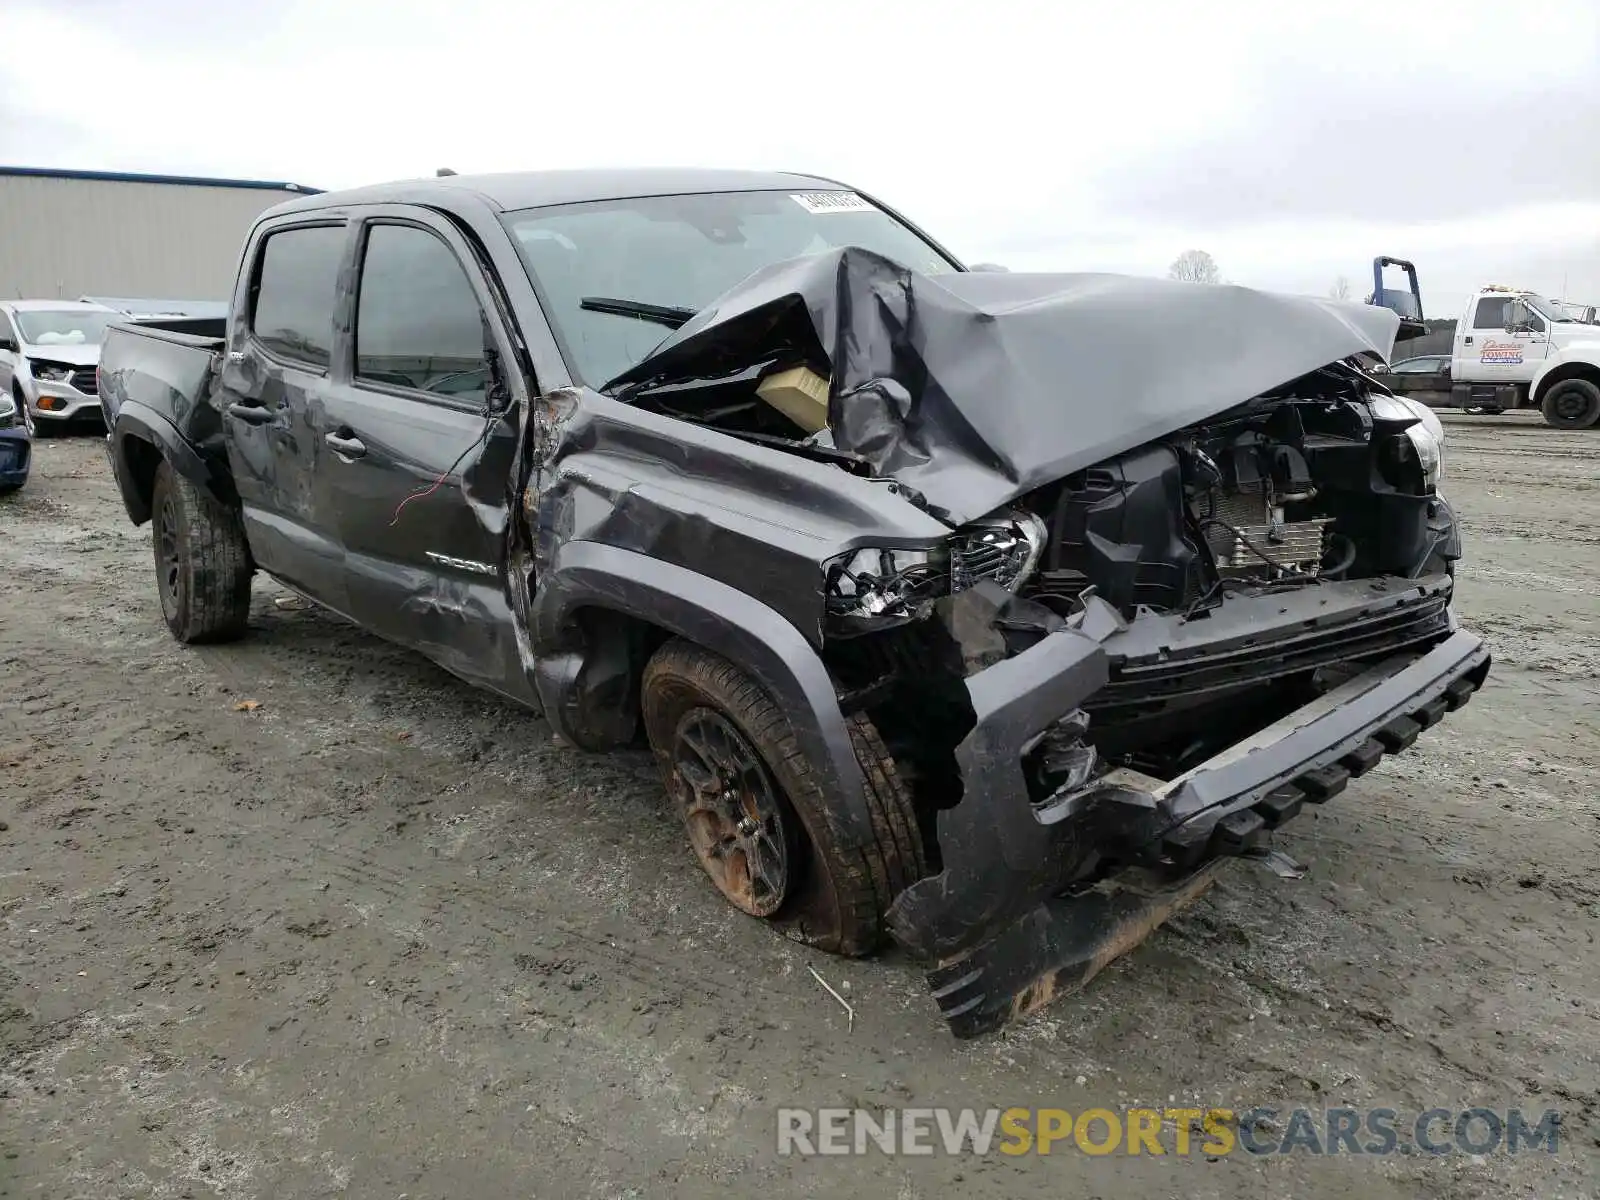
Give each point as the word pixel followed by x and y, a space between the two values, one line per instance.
pixel 661 314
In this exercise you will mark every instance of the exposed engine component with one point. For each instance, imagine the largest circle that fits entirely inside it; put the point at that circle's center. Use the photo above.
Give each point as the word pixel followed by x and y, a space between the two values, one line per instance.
pixel 1120 527
pixel 1246 531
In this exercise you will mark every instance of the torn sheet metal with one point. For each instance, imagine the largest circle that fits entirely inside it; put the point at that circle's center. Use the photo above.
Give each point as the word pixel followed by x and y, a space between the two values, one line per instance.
pixel 976 387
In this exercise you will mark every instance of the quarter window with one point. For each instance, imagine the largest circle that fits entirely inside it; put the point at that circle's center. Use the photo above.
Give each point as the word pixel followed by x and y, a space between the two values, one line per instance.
pixel 295 286
pixel 418 324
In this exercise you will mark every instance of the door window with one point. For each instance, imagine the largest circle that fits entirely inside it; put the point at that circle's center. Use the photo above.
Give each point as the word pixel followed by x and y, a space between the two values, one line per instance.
pixel 418 324
pixel 294 292
pixel 1491 313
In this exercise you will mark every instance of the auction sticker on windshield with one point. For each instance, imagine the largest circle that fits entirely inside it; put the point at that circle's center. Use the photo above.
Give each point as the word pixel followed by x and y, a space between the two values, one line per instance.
pixel 830 202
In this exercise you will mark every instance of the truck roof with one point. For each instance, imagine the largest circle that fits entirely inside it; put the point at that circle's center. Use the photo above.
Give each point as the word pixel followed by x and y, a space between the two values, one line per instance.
pixel 509 191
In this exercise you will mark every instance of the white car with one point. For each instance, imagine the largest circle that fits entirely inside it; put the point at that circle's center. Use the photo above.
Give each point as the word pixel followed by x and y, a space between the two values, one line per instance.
pixel 49 350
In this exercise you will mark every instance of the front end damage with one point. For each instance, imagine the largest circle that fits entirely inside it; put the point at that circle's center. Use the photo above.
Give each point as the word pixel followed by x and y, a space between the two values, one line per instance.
pixel 1193 573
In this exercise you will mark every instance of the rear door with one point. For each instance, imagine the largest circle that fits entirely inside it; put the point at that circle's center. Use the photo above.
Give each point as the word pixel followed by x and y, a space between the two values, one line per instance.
pixel 274 384
pixel 418 465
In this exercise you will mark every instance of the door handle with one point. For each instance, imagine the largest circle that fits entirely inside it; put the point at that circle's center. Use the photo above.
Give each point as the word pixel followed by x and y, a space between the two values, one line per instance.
pixel 250 414
pixel 350 447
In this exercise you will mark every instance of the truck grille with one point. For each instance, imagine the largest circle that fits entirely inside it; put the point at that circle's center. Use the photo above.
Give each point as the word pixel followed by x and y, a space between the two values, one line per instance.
pixel 84 380
pixel 1155 683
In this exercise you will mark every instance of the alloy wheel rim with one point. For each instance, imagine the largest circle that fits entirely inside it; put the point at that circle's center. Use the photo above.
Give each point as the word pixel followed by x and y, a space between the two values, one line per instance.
pixel 731 807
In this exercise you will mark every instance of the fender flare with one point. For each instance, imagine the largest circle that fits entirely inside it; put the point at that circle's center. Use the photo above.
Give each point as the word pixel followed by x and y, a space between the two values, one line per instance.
pixel 139 422
pixel 719 618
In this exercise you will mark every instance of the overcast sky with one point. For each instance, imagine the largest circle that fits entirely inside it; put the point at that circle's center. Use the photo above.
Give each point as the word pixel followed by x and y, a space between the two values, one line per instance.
pixel 1294 142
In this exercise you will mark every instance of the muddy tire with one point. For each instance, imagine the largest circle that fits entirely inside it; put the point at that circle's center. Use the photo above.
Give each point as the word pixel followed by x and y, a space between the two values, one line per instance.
pixel 755 811
pixel 1571 404
pixel 202 562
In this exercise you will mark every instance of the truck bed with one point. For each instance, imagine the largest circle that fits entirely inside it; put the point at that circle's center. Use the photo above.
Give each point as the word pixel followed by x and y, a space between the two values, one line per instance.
pixel 167 371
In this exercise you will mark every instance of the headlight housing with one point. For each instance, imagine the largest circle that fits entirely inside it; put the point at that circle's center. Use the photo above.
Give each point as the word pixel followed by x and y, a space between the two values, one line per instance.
pixel 50 372
pixel 879 587
pixel 8 411
pixel 1426 436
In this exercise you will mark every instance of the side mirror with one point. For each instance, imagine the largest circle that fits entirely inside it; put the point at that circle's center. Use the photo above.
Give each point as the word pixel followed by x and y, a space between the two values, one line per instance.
pixel 7 344
pixel 989 267
pixel 1518 315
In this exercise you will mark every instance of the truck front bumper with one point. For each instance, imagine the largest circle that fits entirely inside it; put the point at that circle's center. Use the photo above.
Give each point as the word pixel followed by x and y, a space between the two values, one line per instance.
pixel 1004 923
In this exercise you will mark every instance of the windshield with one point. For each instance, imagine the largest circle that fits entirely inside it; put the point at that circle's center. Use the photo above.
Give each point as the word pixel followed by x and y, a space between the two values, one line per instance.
pixel 65 327
pixel 1546 308
pixel 681 253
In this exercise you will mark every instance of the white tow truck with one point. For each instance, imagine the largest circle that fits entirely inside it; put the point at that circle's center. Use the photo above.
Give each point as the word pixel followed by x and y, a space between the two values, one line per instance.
pixel 1515 349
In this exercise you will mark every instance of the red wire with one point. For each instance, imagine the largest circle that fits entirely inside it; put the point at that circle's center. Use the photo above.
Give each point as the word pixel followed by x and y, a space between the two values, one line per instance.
pixel 421 495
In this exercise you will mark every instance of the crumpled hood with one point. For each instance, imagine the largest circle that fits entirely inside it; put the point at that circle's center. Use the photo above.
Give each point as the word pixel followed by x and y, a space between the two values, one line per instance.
pixel 976 387
pixel 77 354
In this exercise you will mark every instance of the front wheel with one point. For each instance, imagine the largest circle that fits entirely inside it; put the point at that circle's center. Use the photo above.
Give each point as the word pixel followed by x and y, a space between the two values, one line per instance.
pixel 1571 404
pixel 23 410
pixel 202 563
pixel 756 814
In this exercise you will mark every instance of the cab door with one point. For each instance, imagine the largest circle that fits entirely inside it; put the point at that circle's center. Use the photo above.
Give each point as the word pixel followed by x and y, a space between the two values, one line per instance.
pixel 419 449
pixel 1494 353
pixel 274 383
pixel 1533 336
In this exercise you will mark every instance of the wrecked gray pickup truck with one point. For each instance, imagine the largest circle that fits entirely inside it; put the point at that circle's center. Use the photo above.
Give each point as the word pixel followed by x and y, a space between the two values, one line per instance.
pixel 987 611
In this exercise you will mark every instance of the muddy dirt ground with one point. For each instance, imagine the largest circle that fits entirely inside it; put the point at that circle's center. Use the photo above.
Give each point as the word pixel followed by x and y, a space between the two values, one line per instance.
pixel 304 916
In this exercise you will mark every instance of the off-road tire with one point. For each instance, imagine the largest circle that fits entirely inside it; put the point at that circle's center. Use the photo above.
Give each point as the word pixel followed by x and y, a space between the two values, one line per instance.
pixel 1571 404
pixel 203 571
pixel 844 888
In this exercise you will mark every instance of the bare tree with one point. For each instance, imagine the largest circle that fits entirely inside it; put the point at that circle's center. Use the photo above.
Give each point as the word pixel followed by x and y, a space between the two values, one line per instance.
pixel 1340 289
pixel 1195 266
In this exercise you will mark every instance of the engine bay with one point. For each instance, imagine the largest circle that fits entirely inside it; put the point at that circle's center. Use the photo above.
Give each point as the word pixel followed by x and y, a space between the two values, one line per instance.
pixel 1324 478
pixel 1319 481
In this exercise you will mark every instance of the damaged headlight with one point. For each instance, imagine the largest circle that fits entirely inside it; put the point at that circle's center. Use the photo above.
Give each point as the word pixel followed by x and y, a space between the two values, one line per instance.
pixel 879 587
pixel 1426 436
pixel 1004 548
pixel 50 372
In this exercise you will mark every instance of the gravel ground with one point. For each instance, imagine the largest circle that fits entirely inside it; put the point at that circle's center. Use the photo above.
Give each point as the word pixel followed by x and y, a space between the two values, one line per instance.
pixel 304 916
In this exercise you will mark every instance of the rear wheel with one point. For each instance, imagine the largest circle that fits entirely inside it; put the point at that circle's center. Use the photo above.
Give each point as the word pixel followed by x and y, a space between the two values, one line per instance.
pixel 1571 404
pixel 755 812
pixel 202 563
